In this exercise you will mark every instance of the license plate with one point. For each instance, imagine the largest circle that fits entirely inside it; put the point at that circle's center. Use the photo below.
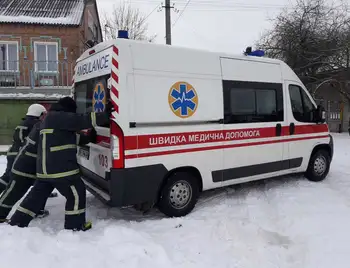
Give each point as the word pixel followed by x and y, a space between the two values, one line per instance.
pixel 84 153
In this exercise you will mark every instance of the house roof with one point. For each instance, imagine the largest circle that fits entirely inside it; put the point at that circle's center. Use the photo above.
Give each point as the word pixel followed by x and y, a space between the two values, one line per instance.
pixel 55 12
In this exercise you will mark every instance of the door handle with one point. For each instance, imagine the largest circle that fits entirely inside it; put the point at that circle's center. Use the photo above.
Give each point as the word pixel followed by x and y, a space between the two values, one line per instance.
pixel 291 129
pixel 278 130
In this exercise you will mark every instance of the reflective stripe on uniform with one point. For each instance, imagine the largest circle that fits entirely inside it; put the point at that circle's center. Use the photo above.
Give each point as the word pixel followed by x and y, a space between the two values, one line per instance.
pixel 26 211
pixel 12 153
pixel 31 141
pixel 7 192
pixel 46 131
pixel 75 212
pixel 19 173
pixel 58 175
pixel 3 182
pixel 30 154
pixel 21 128
pixel 78 138
pixel 63 147
pixel 93 119
pixel 76 198
pixel 6 206
pixel 76 209
pixel 43 157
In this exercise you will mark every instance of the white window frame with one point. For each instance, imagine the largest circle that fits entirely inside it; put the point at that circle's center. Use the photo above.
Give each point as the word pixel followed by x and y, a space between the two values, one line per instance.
pixel 36 55
pixel 6 43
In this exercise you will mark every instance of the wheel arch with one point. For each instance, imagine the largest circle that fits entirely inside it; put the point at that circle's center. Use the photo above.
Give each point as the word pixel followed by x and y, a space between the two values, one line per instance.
pixel 190 169
pixel 324 146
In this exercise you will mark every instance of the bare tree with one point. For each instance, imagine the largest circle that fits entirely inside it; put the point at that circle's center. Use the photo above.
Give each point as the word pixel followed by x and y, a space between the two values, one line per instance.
pixel 313 38
pixel 125 17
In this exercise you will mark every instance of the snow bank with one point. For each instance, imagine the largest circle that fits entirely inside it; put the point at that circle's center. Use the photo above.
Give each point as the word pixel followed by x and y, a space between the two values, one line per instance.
pixel 284 223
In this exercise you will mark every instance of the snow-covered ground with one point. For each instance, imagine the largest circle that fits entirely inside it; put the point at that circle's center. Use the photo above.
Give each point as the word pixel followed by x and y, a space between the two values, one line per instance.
pixel 277 223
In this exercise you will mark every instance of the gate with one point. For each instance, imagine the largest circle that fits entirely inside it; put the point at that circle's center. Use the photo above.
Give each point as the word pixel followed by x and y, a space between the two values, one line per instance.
pixel 334 114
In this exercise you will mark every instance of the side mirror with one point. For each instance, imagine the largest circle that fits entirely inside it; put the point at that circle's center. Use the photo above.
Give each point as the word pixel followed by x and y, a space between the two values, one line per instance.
pixel 320 114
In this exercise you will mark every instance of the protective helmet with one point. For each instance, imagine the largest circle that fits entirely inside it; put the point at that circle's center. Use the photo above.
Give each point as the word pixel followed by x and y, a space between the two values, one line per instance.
pixel 36 110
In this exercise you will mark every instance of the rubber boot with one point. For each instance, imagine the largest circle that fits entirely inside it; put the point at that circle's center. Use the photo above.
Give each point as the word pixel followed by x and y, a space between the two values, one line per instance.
pixel 87 226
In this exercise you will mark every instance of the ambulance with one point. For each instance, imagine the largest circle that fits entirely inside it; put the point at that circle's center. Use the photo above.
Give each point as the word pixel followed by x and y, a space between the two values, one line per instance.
pixel 186 121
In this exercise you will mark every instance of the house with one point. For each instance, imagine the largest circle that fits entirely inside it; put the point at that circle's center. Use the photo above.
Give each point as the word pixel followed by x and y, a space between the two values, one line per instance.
pixel 40 41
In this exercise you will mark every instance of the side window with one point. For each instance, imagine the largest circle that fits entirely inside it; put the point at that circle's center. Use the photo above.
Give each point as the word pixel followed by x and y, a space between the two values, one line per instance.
pixel 252 102
pixel 302 107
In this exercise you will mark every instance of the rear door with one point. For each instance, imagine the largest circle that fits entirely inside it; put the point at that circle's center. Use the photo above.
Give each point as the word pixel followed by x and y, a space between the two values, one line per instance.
pixel 91 96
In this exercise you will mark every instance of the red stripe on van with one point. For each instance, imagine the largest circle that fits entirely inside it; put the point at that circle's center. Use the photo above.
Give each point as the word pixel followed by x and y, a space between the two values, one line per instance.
pixel 115 50
pixel 190 150
pixel 115 92
pixel 115 77
pixel 176 139
pixel 115 63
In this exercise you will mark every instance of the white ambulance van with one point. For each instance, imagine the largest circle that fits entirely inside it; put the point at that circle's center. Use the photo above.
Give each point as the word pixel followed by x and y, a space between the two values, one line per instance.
pixel 186 121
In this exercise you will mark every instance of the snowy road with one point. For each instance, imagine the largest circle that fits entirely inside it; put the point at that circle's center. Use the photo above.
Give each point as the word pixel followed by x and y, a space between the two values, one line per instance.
pixel 277 223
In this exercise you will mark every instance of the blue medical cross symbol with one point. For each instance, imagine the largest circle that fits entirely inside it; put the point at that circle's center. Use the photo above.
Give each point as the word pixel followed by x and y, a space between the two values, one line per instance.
pixel 183 99
pixel 99 96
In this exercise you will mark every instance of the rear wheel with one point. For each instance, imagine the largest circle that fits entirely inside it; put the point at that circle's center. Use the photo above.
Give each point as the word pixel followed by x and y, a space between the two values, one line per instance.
pixel 179 195
pixel 318 166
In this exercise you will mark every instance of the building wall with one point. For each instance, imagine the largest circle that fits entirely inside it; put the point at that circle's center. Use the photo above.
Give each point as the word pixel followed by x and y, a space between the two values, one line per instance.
pixel 12 112
pixel 71 42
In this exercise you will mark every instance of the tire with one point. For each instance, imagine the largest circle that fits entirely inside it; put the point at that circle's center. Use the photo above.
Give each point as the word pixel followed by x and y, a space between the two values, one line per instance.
pixel 318 166
pixel 179 195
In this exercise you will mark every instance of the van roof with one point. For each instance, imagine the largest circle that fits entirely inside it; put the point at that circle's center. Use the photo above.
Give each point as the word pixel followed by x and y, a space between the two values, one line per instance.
pixel 102 46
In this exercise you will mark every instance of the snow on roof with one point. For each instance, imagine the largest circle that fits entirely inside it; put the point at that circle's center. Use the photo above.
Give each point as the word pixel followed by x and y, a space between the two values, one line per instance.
pixel 57 12
pixel 31 96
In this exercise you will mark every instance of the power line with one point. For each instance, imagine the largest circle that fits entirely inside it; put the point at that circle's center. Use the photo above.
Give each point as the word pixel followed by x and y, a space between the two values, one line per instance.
pixel 181 13
pixel 150 13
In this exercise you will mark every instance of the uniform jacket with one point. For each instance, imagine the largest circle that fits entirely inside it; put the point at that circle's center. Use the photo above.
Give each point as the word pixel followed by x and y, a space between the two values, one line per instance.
pixel 57 145
pixel 21 132
pixel 25 163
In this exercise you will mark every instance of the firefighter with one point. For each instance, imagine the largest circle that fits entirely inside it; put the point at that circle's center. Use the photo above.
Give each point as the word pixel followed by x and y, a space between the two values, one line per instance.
pixel 57 165
pixel 34 114
pixel 23 175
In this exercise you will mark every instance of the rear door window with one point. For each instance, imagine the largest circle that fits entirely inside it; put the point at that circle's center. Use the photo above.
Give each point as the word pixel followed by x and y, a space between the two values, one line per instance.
pixel 92 95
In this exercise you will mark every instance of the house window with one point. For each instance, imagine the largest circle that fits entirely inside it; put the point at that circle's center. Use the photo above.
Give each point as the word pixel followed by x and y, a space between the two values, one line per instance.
pixel 46 57
pixel 8 56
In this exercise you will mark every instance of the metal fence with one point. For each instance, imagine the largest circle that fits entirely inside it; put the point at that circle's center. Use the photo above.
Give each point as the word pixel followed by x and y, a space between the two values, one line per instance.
pixel 34 74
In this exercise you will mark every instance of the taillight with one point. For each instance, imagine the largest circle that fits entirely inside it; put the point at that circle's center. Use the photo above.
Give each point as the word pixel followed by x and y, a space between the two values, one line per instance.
pixel 117 145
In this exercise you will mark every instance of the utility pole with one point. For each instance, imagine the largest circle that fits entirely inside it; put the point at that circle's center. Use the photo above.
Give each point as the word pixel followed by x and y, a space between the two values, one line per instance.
pixel 167 22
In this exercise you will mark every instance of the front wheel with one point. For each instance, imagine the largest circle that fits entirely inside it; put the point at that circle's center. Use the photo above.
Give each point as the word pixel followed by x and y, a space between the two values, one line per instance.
pixel 179 195
pixel 318 166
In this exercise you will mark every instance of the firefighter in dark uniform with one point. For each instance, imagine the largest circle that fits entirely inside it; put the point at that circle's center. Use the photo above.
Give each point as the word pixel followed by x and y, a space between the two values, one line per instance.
pixel 34 114
pixel 57 165
pixel 23 175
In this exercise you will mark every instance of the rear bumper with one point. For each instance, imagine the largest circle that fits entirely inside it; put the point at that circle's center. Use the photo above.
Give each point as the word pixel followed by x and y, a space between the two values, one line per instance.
pixel 126 187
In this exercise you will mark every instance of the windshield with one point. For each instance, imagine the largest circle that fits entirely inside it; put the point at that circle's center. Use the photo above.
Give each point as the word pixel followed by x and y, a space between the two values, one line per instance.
pixel 92 95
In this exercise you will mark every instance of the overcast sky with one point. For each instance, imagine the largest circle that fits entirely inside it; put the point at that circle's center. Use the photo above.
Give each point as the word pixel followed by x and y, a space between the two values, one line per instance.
pixel 217 25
